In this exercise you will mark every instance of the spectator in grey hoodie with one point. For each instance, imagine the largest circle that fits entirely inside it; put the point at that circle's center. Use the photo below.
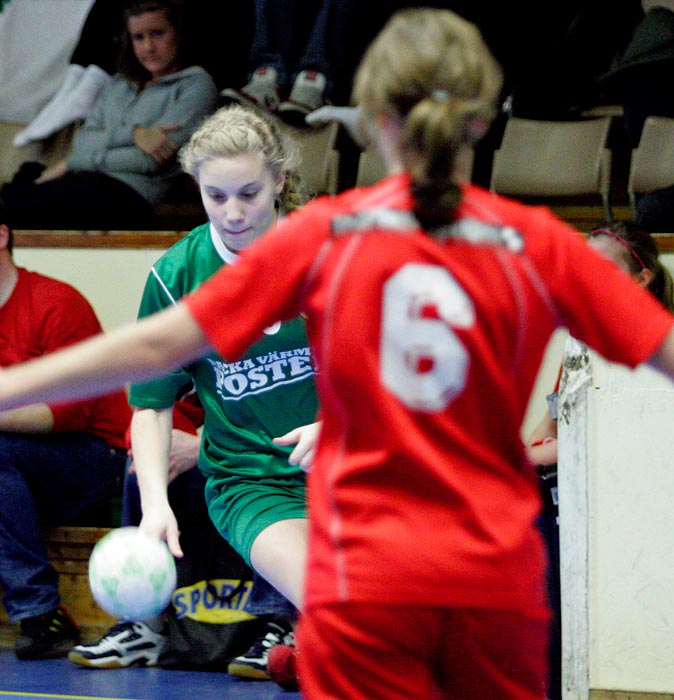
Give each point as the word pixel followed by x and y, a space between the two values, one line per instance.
pixel 122 161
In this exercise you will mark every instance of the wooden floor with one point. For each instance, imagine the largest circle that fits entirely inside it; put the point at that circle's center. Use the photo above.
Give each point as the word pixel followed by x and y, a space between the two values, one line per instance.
pixel 61 680
pixel 627 695
pixel 69 550
pixel 58 678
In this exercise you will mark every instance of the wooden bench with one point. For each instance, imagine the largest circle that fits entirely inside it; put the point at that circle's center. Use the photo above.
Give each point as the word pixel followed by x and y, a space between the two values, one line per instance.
pixel 583 218
pixel 69 549
pixel 43 238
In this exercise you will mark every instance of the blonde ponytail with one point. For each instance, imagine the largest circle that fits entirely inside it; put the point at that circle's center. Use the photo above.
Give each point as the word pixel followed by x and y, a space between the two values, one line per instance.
pixel 432 71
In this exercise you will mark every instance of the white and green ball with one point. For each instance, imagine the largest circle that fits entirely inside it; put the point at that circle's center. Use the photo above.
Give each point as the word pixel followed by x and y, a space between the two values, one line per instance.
pixel 132 575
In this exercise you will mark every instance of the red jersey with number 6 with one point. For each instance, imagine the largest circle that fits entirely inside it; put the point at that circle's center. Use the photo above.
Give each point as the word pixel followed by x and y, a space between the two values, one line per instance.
pixel 427 350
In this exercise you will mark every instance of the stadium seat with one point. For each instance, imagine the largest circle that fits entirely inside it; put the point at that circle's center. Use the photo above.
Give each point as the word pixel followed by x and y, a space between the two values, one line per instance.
pixel 558 159
pixel 652 162
pixel 320 158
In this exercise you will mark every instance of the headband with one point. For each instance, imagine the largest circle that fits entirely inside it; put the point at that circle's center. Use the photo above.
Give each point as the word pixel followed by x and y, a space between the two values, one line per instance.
pixel 622 241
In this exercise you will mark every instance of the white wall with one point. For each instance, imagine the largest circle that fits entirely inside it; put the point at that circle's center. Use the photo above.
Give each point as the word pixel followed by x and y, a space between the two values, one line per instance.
pixel 615 489
pixel 111 279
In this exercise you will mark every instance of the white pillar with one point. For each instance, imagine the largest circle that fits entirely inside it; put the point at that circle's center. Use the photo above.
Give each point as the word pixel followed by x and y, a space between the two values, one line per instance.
pixel 616 491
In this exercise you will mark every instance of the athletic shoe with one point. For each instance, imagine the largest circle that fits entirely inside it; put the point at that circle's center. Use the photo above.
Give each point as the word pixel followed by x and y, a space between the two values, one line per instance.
pixel 125 644
pixel 282 666
pixel 262 91
pixel 47 636
pixel 307 95
pixel 253 664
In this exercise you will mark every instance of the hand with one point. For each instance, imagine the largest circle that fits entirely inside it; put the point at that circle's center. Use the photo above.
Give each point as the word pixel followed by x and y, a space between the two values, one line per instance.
pixel 543 451
pixel 184 453
pixel 153 141
pixel 161 522
pixel 52 172
pixel 305 439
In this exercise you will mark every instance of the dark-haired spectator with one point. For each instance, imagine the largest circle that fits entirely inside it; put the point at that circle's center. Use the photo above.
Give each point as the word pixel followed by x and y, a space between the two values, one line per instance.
pixel 122 161
pixel 57 461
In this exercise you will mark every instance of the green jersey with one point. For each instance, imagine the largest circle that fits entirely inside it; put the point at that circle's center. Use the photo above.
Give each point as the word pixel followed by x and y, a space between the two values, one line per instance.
pixel 264 394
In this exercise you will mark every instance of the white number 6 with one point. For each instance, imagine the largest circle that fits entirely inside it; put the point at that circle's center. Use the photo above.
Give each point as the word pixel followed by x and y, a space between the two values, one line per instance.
pixel 422 360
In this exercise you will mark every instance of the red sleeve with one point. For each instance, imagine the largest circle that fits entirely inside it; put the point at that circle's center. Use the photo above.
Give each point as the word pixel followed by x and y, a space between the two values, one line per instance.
pixel 188 414
pixel 598 302
pixel 264 286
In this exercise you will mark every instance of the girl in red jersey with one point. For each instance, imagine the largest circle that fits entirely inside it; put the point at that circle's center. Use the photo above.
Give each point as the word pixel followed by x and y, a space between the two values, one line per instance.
pixel 429 305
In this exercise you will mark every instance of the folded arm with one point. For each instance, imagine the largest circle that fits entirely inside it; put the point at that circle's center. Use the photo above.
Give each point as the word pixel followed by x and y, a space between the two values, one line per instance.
pixel 34 419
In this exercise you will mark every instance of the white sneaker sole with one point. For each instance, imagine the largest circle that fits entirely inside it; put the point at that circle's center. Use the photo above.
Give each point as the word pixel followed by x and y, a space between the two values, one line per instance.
pixel 136 659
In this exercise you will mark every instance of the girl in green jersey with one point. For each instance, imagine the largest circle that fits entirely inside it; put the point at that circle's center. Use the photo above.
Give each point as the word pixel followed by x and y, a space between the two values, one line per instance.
pixel 243 164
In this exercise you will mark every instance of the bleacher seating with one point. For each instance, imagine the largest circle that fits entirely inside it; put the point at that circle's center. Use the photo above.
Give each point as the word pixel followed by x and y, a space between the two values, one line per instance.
pixel 182 212
pixel 555 159
pixel 48 152
pixel 652 162
pixel 320 158
pixel 323 171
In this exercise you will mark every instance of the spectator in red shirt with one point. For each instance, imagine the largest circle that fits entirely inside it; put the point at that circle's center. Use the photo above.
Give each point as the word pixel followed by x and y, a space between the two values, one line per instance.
pixel 57 461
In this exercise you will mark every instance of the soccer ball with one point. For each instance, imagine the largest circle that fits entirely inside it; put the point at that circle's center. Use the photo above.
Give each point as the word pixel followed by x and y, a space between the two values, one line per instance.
pixel 132 575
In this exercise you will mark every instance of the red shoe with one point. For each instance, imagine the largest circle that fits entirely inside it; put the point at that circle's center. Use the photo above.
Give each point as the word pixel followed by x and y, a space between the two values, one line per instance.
pixel 282 666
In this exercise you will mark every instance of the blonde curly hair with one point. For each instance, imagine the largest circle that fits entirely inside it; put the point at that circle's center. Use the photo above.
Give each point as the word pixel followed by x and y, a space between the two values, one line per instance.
pixel 235 130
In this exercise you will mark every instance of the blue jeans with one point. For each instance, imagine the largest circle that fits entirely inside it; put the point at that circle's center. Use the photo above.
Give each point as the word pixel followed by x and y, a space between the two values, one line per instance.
pixel 46 480
pixel 283 26
pixel 186 494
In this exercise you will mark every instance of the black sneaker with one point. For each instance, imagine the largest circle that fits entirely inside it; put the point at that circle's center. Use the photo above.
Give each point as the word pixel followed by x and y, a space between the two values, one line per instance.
pixel 253 664
pixel 47 636
pixel 125 644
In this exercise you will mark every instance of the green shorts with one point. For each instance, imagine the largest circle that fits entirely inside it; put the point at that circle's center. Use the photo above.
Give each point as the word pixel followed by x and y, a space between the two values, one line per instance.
pixel 242 508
